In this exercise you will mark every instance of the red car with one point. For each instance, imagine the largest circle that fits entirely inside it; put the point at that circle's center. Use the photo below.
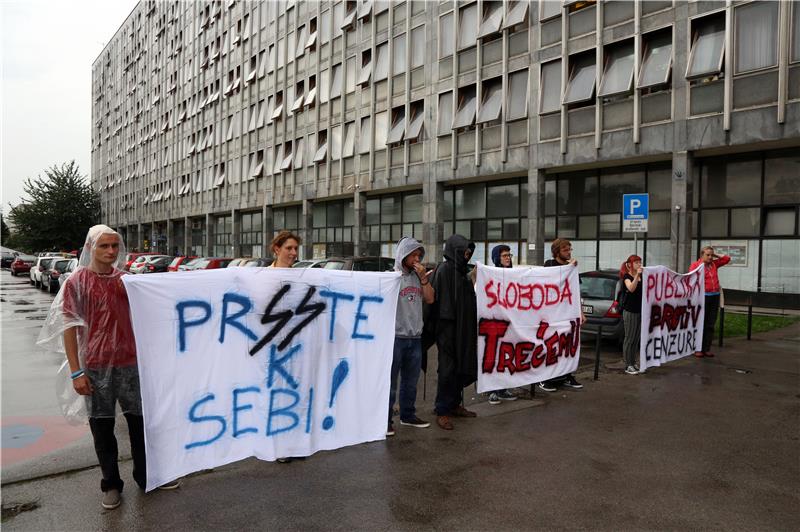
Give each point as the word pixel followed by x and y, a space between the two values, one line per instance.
pixel 22 264
pixel 130 257
pixel 177 261
pixel 210 263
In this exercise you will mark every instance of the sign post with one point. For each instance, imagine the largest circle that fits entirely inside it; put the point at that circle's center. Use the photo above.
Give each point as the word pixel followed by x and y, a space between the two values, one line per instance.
pixel 635 213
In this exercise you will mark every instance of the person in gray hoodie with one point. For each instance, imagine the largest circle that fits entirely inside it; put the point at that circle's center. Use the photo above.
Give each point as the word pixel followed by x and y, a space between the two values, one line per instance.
pixel 406 363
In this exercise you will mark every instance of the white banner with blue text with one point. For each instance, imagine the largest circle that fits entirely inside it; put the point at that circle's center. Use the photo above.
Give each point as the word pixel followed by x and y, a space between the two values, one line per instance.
pixel 262 362
pixel 673 309
pixel 529 323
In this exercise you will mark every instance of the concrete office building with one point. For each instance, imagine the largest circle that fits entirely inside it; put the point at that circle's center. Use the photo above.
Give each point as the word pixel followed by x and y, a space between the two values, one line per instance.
pixel 217 124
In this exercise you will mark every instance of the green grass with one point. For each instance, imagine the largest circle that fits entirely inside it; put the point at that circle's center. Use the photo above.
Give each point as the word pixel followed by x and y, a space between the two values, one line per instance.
pixel 736 324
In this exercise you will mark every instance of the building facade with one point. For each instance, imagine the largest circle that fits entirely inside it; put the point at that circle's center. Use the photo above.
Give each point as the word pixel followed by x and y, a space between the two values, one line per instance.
pixel 217 124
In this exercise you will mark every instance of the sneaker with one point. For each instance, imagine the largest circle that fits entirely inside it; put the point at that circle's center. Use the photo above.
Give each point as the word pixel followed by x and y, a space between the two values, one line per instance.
pixel 505 395
pixel 547 387
pixel 570 382
pixel 390 429
pixel 175 484
pixel 630 370
pixel 415 422
pixel 111 499
pixel 494 399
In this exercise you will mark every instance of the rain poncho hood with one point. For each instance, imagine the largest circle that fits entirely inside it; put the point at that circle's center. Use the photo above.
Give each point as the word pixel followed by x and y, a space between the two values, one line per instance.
pixel 405 247
pixel 93 301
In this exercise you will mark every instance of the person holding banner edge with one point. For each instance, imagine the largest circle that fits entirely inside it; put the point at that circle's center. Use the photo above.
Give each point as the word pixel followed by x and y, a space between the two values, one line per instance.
pixel 407 354
pixel 454 316
pixel 561 249
pixel 93 316
pixel 631 275
pixel 501 258
pixel 712 263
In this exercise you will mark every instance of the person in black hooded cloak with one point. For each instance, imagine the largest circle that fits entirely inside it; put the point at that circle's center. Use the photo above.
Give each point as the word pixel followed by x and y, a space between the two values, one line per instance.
pixel 453 321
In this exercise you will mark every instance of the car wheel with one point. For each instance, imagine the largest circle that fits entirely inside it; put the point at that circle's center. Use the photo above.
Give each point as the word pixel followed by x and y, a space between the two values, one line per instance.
pixel 13 273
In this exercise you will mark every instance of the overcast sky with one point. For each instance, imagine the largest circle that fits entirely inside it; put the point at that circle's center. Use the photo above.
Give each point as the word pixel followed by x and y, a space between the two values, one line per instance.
pixel 48 47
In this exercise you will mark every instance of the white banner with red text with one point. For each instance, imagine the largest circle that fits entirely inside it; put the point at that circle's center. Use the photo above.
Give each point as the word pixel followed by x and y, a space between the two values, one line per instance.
pixel 528 325
pixel 264 362
pixel 673 308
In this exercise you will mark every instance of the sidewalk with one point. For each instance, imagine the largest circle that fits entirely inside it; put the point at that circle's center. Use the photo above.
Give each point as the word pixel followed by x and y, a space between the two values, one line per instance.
pixel 696 444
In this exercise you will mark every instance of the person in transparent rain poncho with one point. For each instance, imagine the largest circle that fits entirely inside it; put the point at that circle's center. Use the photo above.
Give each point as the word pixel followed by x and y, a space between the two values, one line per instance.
pixel 92 317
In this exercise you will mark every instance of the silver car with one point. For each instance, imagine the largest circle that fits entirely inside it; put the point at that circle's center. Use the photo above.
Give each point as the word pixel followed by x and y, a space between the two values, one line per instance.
pixel 67 272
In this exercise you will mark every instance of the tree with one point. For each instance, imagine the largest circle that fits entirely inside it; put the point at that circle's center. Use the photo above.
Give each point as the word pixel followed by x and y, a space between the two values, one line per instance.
pixel 5 232
pixel 59 209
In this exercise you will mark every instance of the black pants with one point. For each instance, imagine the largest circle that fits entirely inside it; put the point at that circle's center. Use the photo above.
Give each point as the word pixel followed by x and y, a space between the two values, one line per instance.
pixel 105 445
pixel 709 320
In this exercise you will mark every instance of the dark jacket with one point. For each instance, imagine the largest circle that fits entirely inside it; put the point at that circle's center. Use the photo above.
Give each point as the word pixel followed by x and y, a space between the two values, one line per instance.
pixel 452 321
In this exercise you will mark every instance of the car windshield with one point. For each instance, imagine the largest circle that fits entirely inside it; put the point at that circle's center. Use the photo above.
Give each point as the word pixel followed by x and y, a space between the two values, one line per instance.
pixel 161 261
pixel 200 264
pixel 334 265
pixel 61 266
pixel 598 287
pixel 175 261
pixel 192 263
pixel 45 263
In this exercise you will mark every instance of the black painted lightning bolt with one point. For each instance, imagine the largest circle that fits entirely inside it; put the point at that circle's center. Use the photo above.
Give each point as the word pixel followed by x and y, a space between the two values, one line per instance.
pixel 315 310
pixel 282 318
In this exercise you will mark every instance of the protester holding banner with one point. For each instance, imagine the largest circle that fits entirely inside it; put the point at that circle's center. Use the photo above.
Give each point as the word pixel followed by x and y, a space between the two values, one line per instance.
pixel 631 274
pixel 454 315
pixel 92 315
pixel 285 247
pixel 712 263
pixel 561 249
pixel 407 355
pixel 501 258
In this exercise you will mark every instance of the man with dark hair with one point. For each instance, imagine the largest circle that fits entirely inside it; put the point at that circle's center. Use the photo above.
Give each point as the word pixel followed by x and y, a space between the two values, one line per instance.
pixel 455 319
pixel 501 258
pixel 561 249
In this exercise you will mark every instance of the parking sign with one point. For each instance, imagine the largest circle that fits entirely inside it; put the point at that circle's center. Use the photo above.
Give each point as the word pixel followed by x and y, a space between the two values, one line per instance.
pixel 635 212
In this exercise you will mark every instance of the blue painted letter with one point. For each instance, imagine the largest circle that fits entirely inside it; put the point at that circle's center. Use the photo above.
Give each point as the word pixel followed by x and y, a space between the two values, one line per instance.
pixel 246 305
pixel 276 365
pixel 285 411
pixel 237 408
pixel 194 418
pixel 183 324
pixel 335 296
pixel 360 316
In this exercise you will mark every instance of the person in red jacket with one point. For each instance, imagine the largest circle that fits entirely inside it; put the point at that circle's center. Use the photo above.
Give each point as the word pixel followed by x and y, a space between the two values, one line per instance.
pixel 712 263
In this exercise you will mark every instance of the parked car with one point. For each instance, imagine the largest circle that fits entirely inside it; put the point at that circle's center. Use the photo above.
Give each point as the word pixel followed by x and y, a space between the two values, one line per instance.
pixel 73 263
pixel 307 264
pixel 157 264
pixel 357 264
pixel 210 263
pixel 257 263
pixel 40 266
pixel 22 264
pixel 177 261
pixel 240 261
pixel 51 275
pixel 7 258
pixel 190 264
pixel 141 262
pixel 600 303
pixel 130 257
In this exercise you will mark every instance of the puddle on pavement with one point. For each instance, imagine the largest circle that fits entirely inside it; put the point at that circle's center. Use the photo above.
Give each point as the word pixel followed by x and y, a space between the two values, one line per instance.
pixel 35 317
pixel 20 302
pixel 24 310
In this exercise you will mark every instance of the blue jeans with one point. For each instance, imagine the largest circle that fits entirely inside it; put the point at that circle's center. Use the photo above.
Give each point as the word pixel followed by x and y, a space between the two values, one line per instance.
pixel 406 362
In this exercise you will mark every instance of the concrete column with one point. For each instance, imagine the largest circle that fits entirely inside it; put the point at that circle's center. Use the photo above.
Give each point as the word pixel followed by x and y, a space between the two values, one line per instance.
pixel 139 237
pixel 187 235
pixel 209 238
pixel 535 252
pixel 236 228
pixel 306 227
pixel 267 229
pixel 170 236
pixel 360 230
pixel 680 221
pixel 433 219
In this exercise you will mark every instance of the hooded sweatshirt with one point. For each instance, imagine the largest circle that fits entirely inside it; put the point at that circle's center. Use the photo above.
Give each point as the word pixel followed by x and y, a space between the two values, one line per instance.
pixel 408 323
pixel 496 252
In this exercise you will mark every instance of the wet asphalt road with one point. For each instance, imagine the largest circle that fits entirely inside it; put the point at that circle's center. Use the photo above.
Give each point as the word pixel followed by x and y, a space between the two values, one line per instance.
pixel 697 444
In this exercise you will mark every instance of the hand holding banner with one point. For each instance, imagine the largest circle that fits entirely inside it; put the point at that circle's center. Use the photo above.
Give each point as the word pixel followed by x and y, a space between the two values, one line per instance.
pixel 528 325
pixel 673 308
pixel 263 362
